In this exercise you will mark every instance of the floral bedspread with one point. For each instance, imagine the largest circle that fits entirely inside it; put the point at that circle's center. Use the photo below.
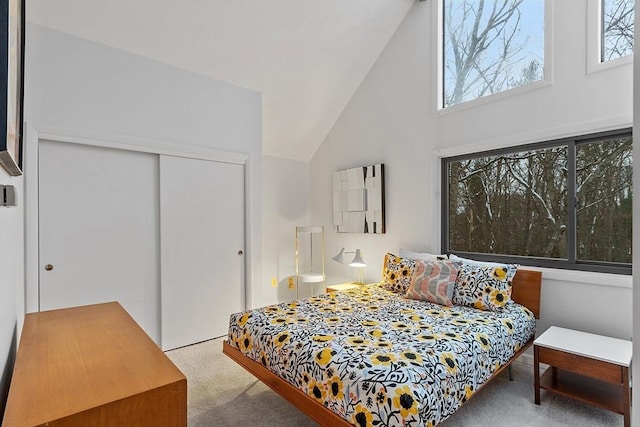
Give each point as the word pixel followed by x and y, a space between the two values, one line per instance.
pixel 378 359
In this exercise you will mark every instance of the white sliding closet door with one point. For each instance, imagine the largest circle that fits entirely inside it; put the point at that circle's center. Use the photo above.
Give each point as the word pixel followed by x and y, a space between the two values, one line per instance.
pixel 98 229
pixel 202 248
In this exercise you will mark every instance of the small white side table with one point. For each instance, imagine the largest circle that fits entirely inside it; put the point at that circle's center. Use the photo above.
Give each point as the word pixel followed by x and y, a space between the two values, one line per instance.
pixel 587 367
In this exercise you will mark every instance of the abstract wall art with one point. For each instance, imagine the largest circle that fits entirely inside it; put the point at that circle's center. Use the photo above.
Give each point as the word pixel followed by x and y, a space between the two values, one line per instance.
pixel 358 200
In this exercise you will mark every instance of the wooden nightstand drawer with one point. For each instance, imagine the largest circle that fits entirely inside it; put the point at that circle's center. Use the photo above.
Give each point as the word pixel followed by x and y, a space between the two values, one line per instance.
pixel 604 371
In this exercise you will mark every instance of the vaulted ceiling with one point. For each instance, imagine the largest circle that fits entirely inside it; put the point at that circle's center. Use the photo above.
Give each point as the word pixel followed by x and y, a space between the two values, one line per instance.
pixel 306 57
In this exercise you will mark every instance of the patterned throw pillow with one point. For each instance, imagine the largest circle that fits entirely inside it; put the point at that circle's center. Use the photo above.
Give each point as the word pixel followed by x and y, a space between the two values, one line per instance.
pixel 434 282
pixel 487 287
pixel 397 273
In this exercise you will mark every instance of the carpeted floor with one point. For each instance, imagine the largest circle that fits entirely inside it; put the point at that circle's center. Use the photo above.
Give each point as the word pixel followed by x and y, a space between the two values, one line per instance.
pixel 221 393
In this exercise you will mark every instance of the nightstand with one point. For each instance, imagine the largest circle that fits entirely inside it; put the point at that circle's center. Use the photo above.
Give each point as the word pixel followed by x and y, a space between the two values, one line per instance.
pixel 591 368
pixel 343 286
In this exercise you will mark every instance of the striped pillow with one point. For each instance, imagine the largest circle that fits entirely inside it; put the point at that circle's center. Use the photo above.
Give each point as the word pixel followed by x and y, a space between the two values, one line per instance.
pixel 433 281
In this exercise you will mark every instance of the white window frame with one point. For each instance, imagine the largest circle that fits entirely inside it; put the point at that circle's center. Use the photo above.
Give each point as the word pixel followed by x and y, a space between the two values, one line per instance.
pixel 594 41
pixel 438 60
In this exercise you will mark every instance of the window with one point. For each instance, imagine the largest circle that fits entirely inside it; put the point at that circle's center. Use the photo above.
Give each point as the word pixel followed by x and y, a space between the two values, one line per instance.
pixel 603 200
pixel 617 29
pixel 518 204
pixel 490 46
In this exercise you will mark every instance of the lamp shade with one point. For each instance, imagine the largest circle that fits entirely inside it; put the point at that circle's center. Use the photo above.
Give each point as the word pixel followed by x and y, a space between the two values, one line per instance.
pixel 357 260
pixel 340 257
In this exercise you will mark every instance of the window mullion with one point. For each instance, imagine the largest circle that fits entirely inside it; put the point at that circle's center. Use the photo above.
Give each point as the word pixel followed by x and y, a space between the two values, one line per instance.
pixel 572 204
pixel 601 31
pixel 446 184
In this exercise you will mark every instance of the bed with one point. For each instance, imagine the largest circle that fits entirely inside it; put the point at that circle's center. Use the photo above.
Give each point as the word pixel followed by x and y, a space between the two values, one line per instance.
pixel 370 356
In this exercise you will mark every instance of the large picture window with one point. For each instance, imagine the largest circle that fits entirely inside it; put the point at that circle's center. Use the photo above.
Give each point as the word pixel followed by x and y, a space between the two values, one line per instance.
pixel 563 204
pixel 490 46
pixel 617 29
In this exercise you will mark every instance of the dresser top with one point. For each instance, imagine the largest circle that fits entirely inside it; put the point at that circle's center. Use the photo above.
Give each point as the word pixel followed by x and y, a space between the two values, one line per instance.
pixel 73 359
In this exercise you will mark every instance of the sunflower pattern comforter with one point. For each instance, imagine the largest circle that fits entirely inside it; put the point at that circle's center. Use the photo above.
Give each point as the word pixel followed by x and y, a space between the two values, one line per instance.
pixel 378 359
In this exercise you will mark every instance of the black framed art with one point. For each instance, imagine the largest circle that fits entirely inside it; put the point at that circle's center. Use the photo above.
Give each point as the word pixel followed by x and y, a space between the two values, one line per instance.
pixel 11 84
pixel 358 200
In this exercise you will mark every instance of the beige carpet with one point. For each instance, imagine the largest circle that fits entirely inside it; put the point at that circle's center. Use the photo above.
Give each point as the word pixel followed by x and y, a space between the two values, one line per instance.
pixel 221 393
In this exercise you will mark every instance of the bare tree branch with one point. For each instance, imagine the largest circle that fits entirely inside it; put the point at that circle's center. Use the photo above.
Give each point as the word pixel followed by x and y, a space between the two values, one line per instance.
pixel 484 45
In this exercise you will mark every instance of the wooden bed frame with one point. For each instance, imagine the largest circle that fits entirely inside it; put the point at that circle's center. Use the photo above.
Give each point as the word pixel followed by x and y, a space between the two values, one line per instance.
pixel 525 290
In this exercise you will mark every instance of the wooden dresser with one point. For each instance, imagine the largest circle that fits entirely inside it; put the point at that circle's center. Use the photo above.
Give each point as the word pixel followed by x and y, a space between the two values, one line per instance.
pixel 92 366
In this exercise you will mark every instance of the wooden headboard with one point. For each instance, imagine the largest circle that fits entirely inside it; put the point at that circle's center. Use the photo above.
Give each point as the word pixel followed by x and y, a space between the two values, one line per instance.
pixel 526 289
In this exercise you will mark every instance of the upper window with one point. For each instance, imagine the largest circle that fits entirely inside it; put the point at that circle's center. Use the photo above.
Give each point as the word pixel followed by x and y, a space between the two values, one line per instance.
pixel 617 29
pixel 490 46
pixel 564 204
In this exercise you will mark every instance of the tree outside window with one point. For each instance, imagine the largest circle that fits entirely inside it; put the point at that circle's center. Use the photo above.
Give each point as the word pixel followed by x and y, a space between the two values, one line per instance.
pixel 603 205
pixel 490 46
pixel 511 203
pixel 617 29
pixel 565 204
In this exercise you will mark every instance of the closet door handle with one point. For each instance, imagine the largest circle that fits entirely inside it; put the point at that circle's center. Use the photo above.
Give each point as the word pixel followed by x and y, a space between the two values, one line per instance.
pixel 240 252
pixel 48 267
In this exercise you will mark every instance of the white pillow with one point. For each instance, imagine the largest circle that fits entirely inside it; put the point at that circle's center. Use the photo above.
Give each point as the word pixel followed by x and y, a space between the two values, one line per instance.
pixel 473 262
pixel 424 256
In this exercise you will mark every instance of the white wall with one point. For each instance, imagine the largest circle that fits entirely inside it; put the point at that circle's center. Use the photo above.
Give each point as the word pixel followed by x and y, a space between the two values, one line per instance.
pixel 79 88
pixel 11 282
pixel 393 119
pixel 285 202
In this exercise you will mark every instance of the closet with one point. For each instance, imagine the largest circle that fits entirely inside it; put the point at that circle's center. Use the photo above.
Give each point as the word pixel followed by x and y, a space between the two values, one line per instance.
pixel 202 248
pixel 161 234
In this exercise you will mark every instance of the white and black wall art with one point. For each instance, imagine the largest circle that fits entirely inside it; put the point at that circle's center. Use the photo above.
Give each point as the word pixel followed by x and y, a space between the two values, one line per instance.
pixel 358 200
